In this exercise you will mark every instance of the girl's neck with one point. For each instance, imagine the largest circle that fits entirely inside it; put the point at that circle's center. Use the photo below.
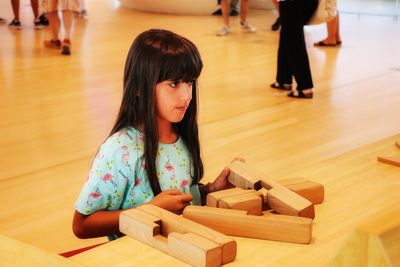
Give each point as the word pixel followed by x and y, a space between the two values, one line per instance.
pixel 166 133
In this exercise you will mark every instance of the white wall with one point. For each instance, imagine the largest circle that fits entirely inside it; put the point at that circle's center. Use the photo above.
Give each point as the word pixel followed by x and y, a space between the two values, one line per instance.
pixel 187 7
pixel 6 10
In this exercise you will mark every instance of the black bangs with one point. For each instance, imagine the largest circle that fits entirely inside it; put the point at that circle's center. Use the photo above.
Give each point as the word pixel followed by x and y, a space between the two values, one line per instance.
pixel 181 60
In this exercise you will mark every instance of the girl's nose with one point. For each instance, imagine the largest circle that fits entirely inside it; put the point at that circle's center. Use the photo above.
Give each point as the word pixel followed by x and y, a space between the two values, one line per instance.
pixel 186 91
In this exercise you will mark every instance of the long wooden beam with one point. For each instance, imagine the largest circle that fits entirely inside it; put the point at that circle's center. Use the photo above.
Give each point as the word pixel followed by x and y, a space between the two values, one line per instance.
pixel 238 223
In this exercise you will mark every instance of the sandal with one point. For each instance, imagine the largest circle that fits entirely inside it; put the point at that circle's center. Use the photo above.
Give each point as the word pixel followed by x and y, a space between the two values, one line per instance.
pixel 300 94
pixel 283 86
pixel 322 43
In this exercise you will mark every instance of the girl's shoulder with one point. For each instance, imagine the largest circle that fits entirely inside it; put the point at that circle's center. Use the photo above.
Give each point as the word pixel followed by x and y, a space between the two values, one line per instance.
pixel 126 139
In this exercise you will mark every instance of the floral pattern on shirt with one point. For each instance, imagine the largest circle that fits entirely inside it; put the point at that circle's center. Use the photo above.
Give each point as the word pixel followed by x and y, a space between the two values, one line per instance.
pixel 118 179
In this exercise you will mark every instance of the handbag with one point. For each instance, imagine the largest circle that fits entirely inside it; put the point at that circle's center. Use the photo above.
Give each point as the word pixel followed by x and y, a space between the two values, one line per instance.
pixel 325 11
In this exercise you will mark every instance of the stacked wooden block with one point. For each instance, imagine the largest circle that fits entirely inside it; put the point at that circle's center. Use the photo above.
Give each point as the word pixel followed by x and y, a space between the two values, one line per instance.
pixel 179 237
pixel 290 203
pixel 258 208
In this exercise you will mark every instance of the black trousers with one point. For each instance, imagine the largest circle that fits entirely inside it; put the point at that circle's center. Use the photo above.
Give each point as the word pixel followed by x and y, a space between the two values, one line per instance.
pixel 292 53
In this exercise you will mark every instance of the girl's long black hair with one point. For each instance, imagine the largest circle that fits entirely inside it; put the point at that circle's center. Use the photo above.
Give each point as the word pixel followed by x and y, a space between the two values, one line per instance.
pixel 157 55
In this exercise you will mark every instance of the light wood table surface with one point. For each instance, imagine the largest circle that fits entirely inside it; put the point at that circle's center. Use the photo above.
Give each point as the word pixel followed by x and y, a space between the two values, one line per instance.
pixel 14 253
pixel 357 189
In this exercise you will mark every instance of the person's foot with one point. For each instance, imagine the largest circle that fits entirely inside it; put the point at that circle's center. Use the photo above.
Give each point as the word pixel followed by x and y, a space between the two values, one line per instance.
pixel 53 44
pixel 217 12
pixel 282 86
pixel 66 47
pixel 327 42
pixel 234 13
pixel 15 24
pixel 245 26
pixel 43 20
pixel 307 93
pixel 276 25
pixel 224 31
pixel 38 25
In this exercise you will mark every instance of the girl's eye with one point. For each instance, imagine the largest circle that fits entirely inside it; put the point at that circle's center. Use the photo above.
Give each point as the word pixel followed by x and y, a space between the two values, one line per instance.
pixel 174 84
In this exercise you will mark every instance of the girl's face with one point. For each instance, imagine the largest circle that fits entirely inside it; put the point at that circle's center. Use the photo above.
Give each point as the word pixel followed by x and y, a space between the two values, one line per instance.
pixel 172 100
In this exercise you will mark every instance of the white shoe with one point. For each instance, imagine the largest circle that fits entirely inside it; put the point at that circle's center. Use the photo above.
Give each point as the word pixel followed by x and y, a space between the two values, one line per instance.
pixel 245 26
pixel 224 31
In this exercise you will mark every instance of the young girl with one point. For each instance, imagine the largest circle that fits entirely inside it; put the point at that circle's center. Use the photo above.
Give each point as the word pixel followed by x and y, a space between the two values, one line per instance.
pixel 152 154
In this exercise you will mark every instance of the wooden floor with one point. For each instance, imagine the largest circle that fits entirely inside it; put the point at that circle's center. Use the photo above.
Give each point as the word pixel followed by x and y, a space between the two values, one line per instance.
pixel 55 110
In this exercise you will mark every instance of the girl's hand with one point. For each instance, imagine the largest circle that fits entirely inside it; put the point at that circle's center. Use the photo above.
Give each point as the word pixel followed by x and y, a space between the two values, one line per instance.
pixel 172 200
pixel 221 182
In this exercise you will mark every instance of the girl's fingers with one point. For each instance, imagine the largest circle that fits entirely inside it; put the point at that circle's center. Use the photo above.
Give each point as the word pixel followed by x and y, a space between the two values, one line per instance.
pixel 172 192
pixel 185 198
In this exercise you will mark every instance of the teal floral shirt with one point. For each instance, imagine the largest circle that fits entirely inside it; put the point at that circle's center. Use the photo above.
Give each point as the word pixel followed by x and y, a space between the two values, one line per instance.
pixel 118 180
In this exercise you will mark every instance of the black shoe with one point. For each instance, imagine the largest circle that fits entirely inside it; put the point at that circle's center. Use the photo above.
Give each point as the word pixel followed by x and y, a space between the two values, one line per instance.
pixel 15 24
pixel 234 13
pixel 218 12
pixel 283 86
pixel 300 94
pixel 43 20
pixel 275 27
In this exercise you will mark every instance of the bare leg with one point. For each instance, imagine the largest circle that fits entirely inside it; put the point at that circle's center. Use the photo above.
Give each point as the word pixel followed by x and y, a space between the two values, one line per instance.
pixel 333 37
pixel 275 2
pixel 68 19
pixel 225 11
pixel 331 27
pixel 83 5
pixel 15 7
pixel 338 38
pixel 54 24
pixel 35 8
pixel 244 10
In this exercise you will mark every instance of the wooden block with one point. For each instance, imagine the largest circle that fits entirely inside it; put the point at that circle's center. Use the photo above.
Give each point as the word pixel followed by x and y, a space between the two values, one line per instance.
pixel 243 177
pixel 144 228
pixel 175 223
pixel 374 242
pixel 250 202
pixel 285 201
pixel 238 223
pixel 264 193
pixel 191 248
pixel 280 198
pixel 294 180
pixel 214 197
pixel 188 247
pixel 395 161
pixel 312 191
